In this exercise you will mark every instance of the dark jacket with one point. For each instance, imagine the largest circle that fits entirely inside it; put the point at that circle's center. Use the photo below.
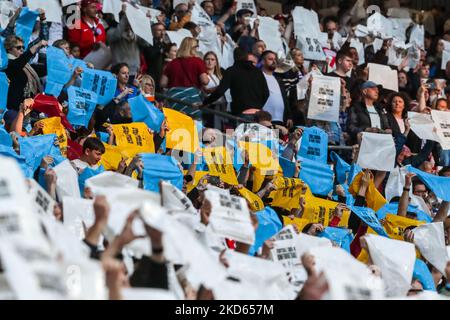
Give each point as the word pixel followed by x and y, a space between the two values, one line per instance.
pixel 247 85
pixel 154 58
pixel 359 119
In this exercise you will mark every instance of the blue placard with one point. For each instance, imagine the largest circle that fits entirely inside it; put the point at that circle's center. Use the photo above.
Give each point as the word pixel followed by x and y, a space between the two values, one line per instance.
pixel 3 55
pixel 288 167
pixel 86 174
pixel 369 217
pixel 158 167
pixel 5 138
pixel 143 110
pixel 25 24
pixel 319 177
pixel 392 208
pixel 103 83
pixel 59 71
pixel 82 104
pixel 269 224
pixel 4 86
pixel 439 185
pixel 314 145
pixel 341 168
pixel 342 237
pixel 423 274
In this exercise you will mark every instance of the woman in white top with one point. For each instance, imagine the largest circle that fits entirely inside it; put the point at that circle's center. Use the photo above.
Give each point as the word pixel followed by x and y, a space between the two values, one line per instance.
pixel 397 109
pixel 215 76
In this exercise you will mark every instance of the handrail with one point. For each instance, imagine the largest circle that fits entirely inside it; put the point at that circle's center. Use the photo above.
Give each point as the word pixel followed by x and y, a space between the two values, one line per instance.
pixel 204 109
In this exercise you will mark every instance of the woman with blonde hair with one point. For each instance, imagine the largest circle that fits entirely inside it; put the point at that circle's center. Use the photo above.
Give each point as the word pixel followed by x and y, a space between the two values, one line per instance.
pixel 187 70
pixel 215 76
pixel 147 87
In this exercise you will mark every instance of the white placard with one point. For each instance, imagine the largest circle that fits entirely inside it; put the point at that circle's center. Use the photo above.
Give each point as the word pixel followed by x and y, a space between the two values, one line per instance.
pixel 312 47
pixel 7 10
pixel 380 26
pixel 377 152
pixel 109 179
pixel 383 75
pixel 200 17
pixel 441 121
pixel 53 10
pixel 246 4
pixel 154 13
pixel 423 126
pixel 114 7
pixel 178 36
pixel 305 22
pixel 399 27
pixel 285 250
pixel 140 23
pixel 43 202
pixel 395 183
pixel 358 45
pixel 418 36
pixel 430 239
pixel 445 54
pixel 325 99
pixel 173 199
pixel 348 278
pixel 269 32
pixel 396 260
pixel 230 217
pixel 305 243
pixel 66 180
pixel 76 212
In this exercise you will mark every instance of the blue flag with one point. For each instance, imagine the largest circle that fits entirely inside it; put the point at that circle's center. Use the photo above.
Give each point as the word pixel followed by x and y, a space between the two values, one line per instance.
pixel 342 237
pixel 21 161
pixel 82 104
pixel 342 168
pixel 288 167
pixel 392 208
pixel 268 225
pixel 74 62
pixel 314 145
pixel 59 71
pixel 143 110
pixel 318 176
pixel 25 24
pixel 354 171
pixel 4 86
pixel 3 55
pixel 158 167
pixel 5 138
pixel 35 148
pixel 369 217
pixel 439 185
pixel 103 136
pixel 103 83
pixel 423 274
pixel 86 174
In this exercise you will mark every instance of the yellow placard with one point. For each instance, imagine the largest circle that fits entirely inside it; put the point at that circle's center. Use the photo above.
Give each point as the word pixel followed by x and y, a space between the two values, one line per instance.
pixel 53 125
pixel 182 134
pixel 255 202
pixel 374 198
pixel 134 138
pixel 220 164
pixel 395 226
pixel 197 178
pixel 287 194
pixel 321 211
pixel 261 157
pixel 300 223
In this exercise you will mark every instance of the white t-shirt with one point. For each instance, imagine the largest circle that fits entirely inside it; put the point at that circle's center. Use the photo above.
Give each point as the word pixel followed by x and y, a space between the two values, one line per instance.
pixel 275 103
pixel 374 117
pixel 401 125
pixel 81 165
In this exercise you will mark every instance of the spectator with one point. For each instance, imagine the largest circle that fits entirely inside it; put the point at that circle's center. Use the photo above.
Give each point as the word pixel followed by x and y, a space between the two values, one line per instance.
pixel 88 31
pixel 187 70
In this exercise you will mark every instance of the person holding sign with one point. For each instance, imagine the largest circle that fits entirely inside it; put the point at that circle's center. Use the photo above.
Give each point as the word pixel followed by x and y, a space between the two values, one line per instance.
pixel 368 115
pixel 88 31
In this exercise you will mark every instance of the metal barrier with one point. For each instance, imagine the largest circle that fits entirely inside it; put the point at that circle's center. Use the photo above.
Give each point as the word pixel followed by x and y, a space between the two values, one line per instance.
pixel 231 117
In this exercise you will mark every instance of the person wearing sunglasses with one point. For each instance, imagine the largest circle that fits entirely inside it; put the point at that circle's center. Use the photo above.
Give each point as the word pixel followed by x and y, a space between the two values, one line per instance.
pixel 181 16
pixel 24 79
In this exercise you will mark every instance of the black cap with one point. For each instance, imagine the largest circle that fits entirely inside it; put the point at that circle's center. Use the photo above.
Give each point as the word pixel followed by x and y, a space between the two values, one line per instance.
pixel 241 12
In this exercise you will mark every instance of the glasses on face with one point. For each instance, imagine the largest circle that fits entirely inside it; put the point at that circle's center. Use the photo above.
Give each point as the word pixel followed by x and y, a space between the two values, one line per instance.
pixel 20 47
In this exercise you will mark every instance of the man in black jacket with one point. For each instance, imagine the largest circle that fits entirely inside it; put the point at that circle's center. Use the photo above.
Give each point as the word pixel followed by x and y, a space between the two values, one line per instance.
pixel 368 115
pixel 154 55
pixel 247 85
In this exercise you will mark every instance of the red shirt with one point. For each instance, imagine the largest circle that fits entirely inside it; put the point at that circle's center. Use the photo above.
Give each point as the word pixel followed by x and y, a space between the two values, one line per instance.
pixel 82 34
pixel 185 72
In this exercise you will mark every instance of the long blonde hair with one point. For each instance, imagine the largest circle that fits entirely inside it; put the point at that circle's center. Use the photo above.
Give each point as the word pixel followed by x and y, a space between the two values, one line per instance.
pixel 146 79
pixel 187 48
pixel 217 71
